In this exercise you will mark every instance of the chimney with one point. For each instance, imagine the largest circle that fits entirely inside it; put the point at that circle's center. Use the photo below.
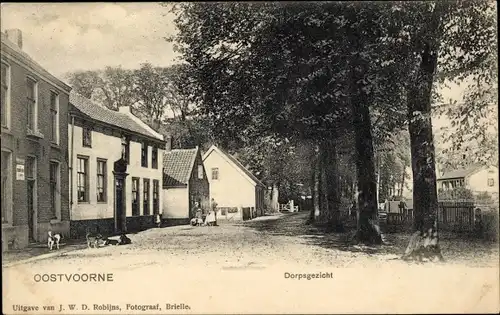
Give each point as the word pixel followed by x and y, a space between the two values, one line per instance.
pixel 168 145
pixel 16 36
pixel 124 109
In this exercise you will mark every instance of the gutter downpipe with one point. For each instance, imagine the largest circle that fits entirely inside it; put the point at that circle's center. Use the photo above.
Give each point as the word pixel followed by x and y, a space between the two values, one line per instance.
pixel 71 166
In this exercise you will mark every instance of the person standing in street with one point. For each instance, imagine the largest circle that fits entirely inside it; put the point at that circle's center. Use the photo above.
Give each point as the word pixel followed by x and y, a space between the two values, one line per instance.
pixel 214 210
pixel 403 208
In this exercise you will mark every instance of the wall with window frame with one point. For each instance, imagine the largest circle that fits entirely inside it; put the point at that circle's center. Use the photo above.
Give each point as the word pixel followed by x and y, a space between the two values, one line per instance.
pixel 106 144
pixel 21 142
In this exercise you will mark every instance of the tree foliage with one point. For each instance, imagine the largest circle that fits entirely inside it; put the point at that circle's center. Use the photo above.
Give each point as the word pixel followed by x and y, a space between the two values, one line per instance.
pixel 112 87
pixel 150 90
pixel 314 71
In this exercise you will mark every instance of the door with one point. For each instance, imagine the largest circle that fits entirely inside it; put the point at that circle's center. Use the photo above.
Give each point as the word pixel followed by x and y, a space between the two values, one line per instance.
pixel 31 210
pixel 119 206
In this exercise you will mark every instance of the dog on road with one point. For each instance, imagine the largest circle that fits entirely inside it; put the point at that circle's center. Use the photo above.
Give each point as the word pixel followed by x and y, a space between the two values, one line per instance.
pixel 196 222
pixel 108 241
pixel 124 240
pixel 93 239
pixel 53 239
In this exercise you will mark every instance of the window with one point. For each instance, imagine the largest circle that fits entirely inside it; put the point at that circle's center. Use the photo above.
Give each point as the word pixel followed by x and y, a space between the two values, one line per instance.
pixel 5 95
pixel 87 137
pixel 54 116
pixel 54 189
pixel 29 168
pixel 200 171
pixel 101 180
pixel 215 173
pixel 126 149
pixel 82 184
pixel 154 158
pixel 156 199
pixel 491 182
pixel 135 196
pixel 31 105
pixel 144 155
pixel 146 197
pixel 6 185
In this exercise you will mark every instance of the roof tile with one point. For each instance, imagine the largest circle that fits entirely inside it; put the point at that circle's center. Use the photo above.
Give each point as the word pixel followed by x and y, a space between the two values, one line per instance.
pixel 177 166
pixel 460 173
pixel 105 115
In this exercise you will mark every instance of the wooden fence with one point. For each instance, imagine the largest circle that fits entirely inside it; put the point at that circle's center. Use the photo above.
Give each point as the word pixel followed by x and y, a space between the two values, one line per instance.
pixel 404 219
pixel 286 207
pixel 456 216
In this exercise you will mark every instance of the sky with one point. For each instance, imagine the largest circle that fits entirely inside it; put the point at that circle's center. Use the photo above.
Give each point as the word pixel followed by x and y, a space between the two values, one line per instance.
pixel 65 37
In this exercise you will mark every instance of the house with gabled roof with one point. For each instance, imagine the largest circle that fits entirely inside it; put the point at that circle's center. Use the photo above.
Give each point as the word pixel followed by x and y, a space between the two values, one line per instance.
pixel 185 183
pixel 115 169
pixel 34 133
pixel 232 185
pixel 476 178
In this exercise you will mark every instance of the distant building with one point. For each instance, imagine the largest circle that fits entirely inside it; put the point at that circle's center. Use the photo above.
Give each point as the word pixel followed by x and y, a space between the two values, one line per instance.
pixel 184 183
pixel 34 145
pixel 477 179
pixel 116 169
pixel 231 184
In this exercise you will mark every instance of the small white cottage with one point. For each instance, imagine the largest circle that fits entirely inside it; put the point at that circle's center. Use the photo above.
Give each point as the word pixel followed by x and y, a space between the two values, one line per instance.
pixel 238 193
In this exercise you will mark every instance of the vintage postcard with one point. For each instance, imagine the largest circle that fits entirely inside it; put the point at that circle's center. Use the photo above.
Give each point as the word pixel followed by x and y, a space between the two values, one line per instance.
pixel 250 157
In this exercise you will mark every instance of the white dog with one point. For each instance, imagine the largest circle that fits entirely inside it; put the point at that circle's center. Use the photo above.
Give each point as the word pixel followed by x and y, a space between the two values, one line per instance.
pixel 53 239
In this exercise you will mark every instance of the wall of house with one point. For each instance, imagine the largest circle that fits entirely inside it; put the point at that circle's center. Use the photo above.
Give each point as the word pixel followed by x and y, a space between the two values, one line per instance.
pixel 199 189
pixel 108 147
pixel 232 189
pixel 478 182
pixel 175 203
pixel 16 141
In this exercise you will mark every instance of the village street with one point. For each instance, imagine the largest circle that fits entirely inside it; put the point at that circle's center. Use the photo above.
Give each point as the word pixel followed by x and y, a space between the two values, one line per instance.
pixel 181 261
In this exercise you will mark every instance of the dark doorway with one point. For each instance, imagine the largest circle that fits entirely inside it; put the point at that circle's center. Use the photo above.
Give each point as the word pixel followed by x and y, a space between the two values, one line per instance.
pixel 120 173
pixel 31 210
pixel 120 218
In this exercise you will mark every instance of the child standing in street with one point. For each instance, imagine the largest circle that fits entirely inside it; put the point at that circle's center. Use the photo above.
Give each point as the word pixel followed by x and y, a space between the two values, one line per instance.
pixel 214 210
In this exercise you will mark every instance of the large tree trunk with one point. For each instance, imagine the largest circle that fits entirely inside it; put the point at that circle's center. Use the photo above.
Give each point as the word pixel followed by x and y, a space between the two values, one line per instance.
pixel 333 189
pixel 424 242
pixel 368 230
pixel 274 197
pixel 316 186
pixel 323 195
pixel 378 176
pixel 402 183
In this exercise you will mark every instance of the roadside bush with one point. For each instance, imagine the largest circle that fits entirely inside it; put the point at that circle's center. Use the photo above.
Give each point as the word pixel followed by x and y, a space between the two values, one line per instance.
pixel 490 228
pixel 457 193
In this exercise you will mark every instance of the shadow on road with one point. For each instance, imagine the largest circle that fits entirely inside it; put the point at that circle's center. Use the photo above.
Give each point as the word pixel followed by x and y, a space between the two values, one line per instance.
pixel 459 249
pixel 294 225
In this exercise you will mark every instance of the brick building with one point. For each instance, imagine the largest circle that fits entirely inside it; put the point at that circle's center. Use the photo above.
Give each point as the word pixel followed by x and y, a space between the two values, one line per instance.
pixel 34 147
pixel 116 169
